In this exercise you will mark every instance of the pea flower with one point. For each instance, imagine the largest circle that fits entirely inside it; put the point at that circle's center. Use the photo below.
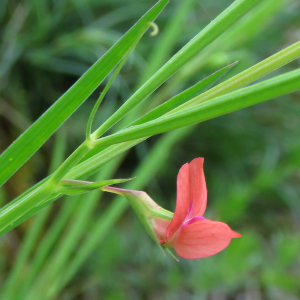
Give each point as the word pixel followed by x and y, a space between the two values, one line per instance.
pixel 187 231
pixel 191 235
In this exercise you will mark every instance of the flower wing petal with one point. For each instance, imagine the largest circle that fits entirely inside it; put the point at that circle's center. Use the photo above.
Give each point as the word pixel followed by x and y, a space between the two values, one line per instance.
pixel 182 201
pixel 202 238
pixel 198 191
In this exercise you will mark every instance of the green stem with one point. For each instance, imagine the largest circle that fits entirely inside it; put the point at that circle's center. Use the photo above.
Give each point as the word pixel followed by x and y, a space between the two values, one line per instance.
pixel 35 136
pixel 69 163
pixel 9 214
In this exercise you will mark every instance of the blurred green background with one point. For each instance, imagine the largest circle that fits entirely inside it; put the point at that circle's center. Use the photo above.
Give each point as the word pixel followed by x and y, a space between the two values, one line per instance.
pixel 86 248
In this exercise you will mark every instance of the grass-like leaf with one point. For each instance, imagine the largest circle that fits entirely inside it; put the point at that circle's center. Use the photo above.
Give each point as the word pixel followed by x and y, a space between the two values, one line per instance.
pixel 75 187
pixel 242 98
pixel 213 30
pixel 33 138
pixel 181 98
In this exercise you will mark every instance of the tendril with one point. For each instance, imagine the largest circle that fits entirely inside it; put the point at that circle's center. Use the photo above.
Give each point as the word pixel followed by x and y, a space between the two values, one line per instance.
pixel 154 27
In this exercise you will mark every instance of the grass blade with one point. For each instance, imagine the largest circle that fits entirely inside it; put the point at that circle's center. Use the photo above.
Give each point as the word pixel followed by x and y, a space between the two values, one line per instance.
pixel 242 98
pixel 181 98
pixel 35 136
pixel 257 71
pixel 214 29
pixel 75 187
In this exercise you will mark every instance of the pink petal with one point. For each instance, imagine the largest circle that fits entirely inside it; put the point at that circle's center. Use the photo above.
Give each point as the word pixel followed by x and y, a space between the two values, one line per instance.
pixel 191 194
pixel 182 202
pixel 202 238
pixel 198 191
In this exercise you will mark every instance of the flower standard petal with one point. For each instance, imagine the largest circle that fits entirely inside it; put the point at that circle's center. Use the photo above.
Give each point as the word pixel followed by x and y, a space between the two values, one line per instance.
pixel 198 191
pixel 201 238
pixel 191 194
pixel 182 201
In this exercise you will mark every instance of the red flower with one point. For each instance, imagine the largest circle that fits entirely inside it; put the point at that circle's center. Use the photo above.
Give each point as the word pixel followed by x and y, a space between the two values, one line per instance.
pixel 187 231
pixel 191 235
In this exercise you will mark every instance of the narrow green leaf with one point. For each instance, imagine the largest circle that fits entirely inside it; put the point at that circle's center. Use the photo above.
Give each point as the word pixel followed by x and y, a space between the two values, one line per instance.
pixel 80 171
pixel 112 78
pixel 33 138
pixel 75 187
pixel 214 29
pixel 163 48
pixel 253 73
pixel 246 77
pixel 242 32
pixel 90 185
pixel 222 105
pixel 12 212
pixel 9 214
pixel 186 95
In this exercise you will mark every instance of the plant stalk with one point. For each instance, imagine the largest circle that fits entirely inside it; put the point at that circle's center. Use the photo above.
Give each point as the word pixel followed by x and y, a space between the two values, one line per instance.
pixel 11 213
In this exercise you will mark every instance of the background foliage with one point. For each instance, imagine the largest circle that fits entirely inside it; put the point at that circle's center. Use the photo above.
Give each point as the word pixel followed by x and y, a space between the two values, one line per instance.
pixel 79 248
